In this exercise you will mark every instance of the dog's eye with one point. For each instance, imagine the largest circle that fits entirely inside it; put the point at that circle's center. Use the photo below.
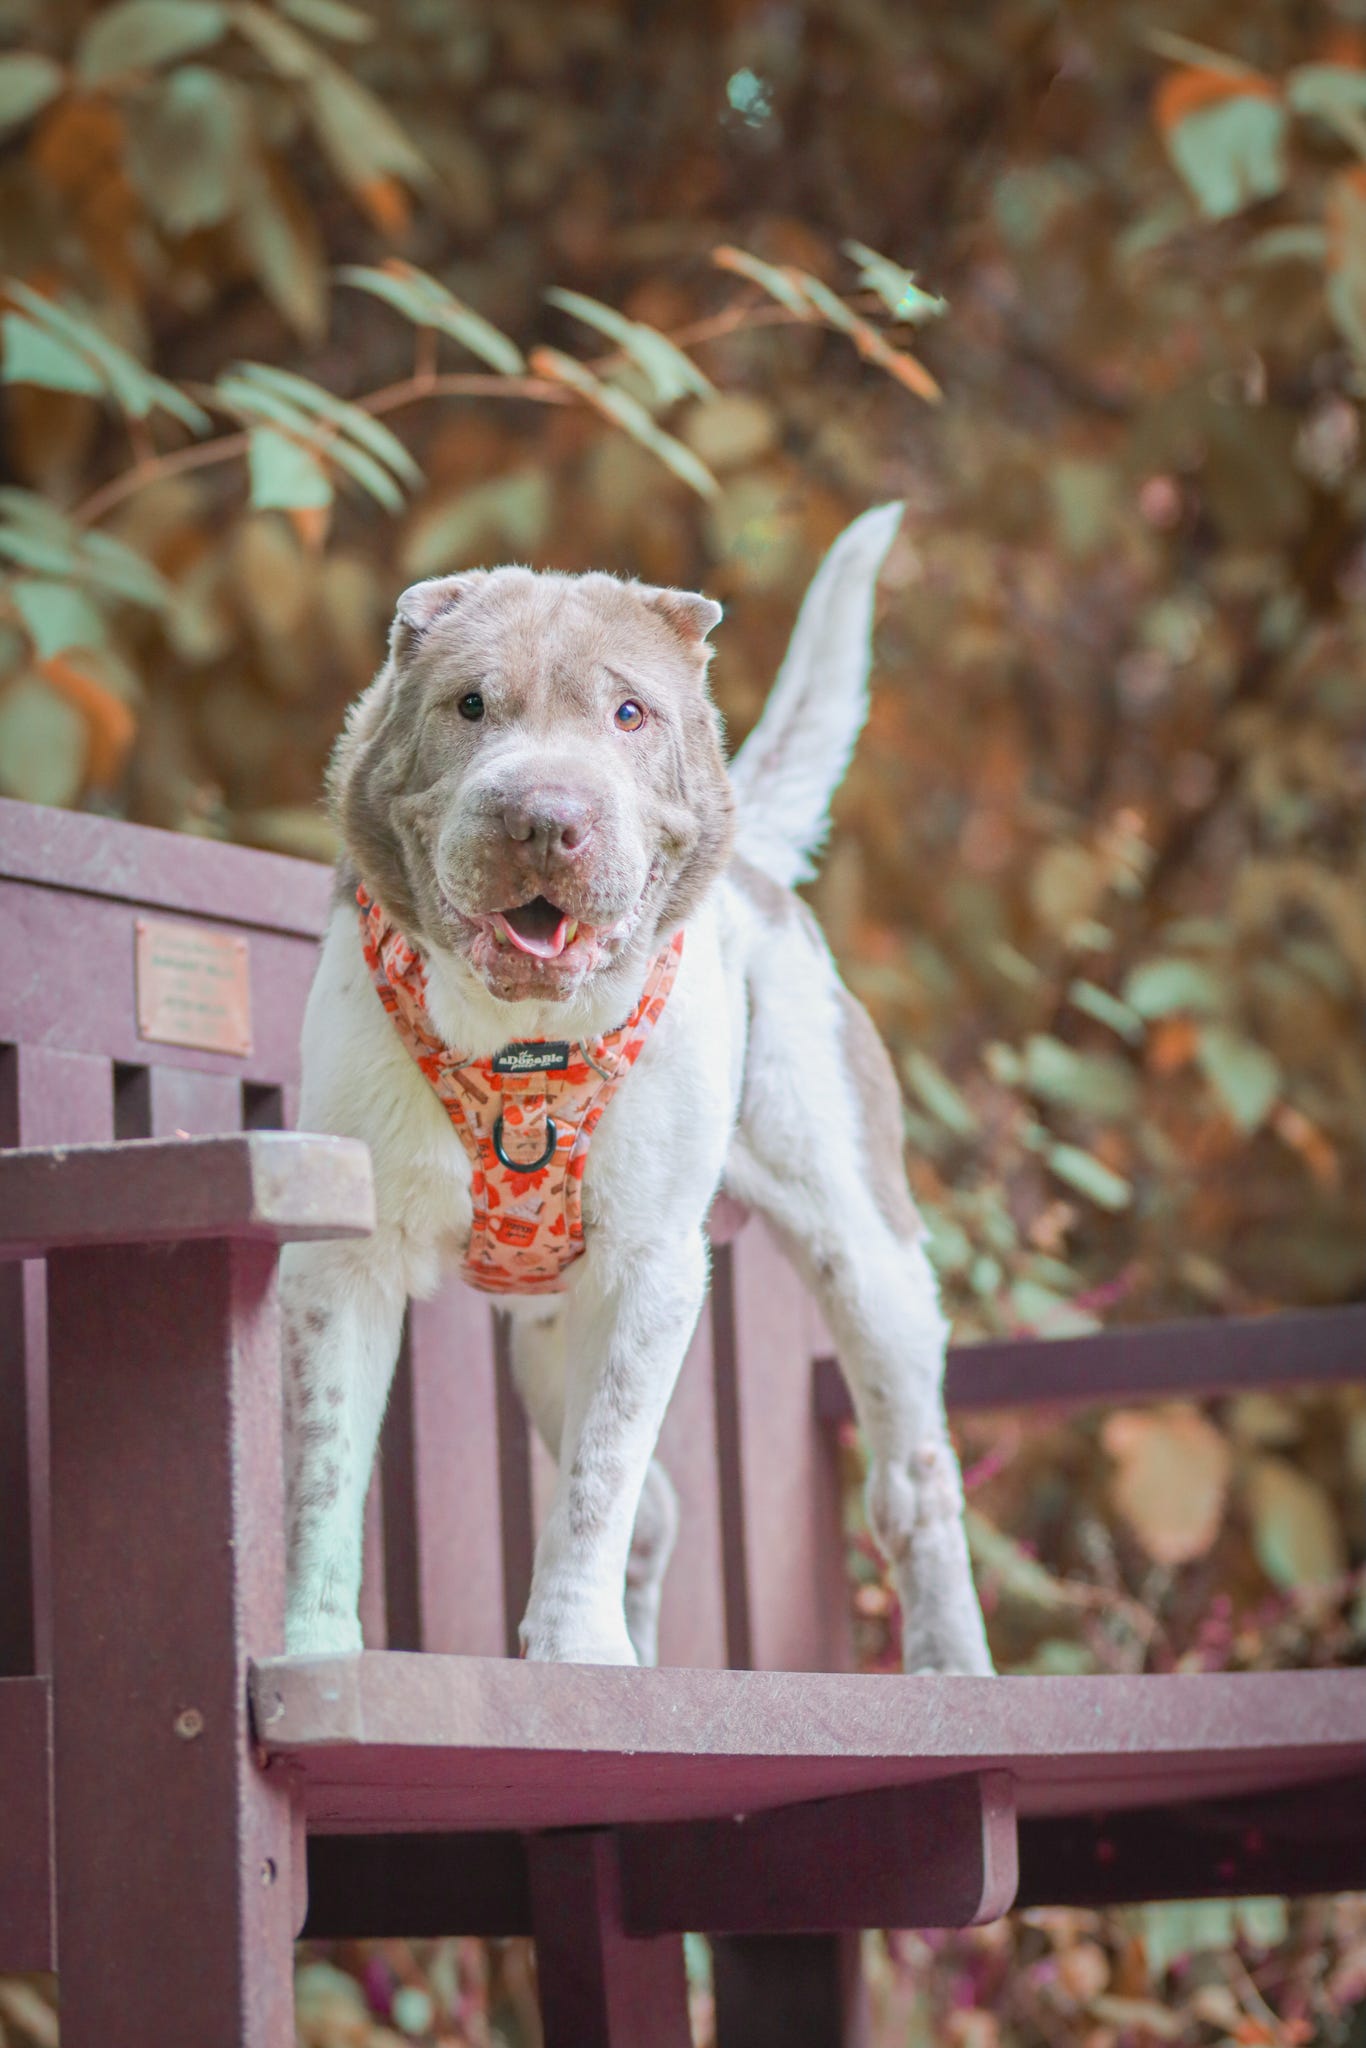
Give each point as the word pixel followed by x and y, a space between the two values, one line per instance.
pixel 472 706
pixel 629 715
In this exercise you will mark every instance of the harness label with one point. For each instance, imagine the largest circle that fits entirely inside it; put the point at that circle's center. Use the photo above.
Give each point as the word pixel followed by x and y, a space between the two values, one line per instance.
pixel 532 1056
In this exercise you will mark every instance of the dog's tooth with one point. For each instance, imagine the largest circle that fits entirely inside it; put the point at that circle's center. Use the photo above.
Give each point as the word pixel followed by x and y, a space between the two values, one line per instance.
pixel 500 937
pixel 571 932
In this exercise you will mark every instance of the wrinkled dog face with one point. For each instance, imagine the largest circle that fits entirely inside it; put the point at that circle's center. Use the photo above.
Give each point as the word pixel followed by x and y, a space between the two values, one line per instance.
pixel 535 782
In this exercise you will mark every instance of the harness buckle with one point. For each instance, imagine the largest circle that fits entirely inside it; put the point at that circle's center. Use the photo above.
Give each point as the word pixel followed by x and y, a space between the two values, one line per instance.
pixel 552 1139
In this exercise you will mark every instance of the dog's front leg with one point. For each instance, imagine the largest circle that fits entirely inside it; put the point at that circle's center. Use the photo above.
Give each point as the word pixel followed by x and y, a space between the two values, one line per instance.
pixel 342 1316
pixel 630 1323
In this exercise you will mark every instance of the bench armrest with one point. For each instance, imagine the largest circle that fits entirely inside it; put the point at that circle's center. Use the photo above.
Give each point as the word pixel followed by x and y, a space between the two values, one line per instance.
pixel 270 1186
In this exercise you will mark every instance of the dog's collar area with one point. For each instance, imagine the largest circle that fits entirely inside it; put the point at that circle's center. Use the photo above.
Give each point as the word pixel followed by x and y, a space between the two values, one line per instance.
pixel 525 1114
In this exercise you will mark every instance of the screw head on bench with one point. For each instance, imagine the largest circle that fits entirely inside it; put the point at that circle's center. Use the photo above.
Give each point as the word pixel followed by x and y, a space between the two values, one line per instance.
pixel 188 1723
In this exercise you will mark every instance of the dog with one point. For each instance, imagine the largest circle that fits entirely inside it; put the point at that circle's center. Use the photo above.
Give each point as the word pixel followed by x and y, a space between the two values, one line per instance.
pixel 566 995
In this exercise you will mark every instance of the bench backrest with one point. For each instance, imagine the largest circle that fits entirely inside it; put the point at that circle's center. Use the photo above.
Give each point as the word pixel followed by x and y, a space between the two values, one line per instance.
pixel 153 984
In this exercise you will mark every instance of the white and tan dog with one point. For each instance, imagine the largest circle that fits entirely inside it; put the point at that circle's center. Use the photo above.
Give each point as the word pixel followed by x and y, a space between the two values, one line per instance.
pixel 534 791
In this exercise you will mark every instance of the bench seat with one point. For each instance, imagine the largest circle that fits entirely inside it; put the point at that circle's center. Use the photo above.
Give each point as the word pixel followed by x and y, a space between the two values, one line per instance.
pixel 392 1741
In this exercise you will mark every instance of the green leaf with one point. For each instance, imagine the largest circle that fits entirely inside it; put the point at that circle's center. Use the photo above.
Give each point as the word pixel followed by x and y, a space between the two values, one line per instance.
pixel 428 304
pixel 137 390
pixel 1231 153
pixel 188 149
pixel 359 135
pixel 1089 1176
pixel 1096 1084
pixel 1107 1009
pixel 1295 1528
pixel 1163 988
pixel 33 356
pixel 1184 50
pixel 357 424
pixel 1345 287
pixel 775 282
pixel 121 571
pixel 331 18
pixel 284 49
pixel 939 1095
pixel 284 475
pixel 43 744
pixel 1296 242
pixel 56 615
pixel 897 288
pixel 254 403
pixel 139 34
pixel 27 83
pixel 672 374
pixel 1246 1076
pixel 1326 90
pixel 44 553
pixel 627 413
pixel 1018 1576
pixel 280 240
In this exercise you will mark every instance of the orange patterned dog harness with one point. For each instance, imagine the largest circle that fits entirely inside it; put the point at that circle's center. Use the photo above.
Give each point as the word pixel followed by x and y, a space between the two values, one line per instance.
pixel 526 1116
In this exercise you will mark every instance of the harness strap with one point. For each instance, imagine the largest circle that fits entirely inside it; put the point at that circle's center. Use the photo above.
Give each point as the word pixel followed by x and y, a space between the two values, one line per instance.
pixel 526 1116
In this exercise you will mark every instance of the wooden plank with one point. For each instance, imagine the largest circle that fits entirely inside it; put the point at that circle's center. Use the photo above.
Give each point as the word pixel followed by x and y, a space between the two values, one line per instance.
pixel 268 1185
pixel 178 1102
pixel 364 1887
pixel 940 1854
pixel 46 1098
pixel 167 1493
pixel 74 851
pixel 390 1742
pixel 692 1621
pixel 600 1987
pixel 794 1991
pixel 444 1576
pixel 61 946
pixel 1310 1839
pixel 27 1917
pixel 520 1458
pixel 1194 1358
pixel 787 1601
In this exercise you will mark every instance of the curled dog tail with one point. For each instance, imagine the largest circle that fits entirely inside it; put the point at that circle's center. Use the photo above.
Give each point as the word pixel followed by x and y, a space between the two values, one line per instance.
pixel 794 760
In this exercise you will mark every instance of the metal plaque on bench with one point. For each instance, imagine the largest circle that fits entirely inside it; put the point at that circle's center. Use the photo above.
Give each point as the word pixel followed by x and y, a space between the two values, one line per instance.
pixel 193 986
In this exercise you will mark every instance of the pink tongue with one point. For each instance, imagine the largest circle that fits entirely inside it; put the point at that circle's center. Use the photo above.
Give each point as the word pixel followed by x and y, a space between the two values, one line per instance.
pixel 540 949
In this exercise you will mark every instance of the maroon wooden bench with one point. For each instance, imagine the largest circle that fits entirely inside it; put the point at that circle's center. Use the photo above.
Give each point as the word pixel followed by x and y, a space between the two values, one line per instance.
pixel 177 1796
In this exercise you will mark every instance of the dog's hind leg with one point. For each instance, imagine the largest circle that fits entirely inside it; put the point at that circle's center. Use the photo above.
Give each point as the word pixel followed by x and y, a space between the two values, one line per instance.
pixel 818 1153
pixel 538 1369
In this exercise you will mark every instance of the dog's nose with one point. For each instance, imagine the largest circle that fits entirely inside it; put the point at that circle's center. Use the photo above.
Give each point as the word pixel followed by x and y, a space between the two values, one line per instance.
pixel 549 822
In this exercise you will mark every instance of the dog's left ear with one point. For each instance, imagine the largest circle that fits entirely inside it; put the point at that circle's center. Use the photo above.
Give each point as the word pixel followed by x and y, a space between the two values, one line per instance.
pixel 687 612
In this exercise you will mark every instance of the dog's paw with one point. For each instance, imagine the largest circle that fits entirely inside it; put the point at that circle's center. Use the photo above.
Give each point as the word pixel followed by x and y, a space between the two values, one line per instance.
pixel 321 1635
pixel 569 1642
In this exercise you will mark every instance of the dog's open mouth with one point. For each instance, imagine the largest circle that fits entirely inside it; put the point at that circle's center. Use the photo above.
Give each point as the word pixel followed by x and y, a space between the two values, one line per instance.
pixel 539 928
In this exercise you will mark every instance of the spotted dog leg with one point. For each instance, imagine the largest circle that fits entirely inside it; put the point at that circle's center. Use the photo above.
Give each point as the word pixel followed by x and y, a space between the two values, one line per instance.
pixel 818 1153
pixel 538 1367
pixel 342 1325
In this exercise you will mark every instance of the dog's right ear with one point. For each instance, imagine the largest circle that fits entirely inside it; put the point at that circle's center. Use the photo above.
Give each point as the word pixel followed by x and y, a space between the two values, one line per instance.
pixel 422 604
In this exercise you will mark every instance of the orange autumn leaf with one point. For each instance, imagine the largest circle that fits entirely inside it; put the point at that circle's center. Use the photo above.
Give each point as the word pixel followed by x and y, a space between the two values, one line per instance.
pixel 1187 91
pixel 1346 196
pixel 311 523
pixel 1294 1129
pixel 1172 1045
pixel 386 202
pixel 109 722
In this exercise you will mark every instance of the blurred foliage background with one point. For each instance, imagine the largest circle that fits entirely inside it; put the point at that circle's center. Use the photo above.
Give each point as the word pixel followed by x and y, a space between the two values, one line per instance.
pixel 307 299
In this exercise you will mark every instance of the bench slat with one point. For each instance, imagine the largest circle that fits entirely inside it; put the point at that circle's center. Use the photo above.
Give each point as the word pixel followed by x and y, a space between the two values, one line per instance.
pixel 394 1742
pixel 92 856
pixel 266 1185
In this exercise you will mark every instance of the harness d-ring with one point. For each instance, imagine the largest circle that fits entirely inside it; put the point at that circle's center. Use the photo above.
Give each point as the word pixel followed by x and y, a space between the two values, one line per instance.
pixel 552 1139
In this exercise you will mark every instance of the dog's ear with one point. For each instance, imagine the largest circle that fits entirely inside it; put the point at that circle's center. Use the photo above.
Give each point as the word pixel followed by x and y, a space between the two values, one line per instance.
pixel 686 612
pixel 422 604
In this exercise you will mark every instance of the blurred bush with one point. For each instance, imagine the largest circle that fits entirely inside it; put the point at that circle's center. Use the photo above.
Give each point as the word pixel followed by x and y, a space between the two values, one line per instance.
pixel 309 299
